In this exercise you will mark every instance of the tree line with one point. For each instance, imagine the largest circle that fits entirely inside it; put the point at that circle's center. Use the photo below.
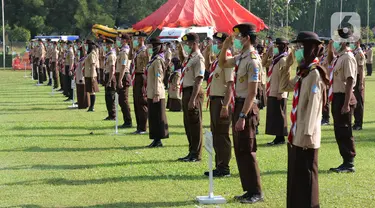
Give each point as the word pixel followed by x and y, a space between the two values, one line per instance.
pixel 27 18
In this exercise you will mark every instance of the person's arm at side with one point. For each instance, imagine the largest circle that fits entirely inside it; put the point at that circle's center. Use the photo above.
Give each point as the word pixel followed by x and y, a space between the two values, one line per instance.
pixel 123 62
pixel 349 73
pixel 198 74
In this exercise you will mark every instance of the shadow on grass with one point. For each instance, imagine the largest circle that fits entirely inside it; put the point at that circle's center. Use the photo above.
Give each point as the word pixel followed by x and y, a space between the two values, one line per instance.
pixel 32 109
pixel 21 128
pixel 78 149
pixel 88 166
pixel 54 135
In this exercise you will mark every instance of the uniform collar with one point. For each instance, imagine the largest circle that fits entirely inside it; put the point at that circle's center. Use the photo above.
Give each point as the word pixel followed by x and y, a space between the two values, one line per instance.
pixel 195 53
pixel 346 50
pixel 247 52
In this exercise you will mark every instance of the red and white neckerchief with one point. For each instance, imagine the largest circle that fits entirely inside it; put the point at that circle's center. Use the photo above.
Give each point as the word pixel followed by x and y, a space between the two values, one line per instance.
pixel 293 113
pixel 331 75
pixel 183 73
pixel 161 55
pixel 270 70
pixel 132 66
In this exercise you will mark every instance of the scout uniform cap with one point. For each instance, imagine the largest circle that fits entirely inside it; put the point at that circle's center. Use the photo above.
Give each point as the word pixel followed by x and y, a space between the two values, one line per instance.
pixel 220 36
pixel 307 36
pixel 90 42
pixel 110 41
pixel 48 40
pixel 69 42
pixel 281 41
pixel 140 34
pixel 245 29
pixel 345 33
pixel 190 37
pixel 78 41
pixel 39 40
pixel 123 36
pixel 155 41
pixel 269 36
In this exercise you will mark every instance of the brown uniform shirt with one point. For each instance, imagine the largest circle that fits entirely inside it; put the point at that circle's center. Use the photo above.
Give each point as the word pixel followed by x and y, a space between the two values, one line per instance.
pixel 194 68
pixel 40 52
pixel 110 61
pixel 309 111
pixel 249 67
pixel 346 66
pixel 141 60
pixel 220 79
pixel 123 60
pixel 369 56
pixel 90 64
pixel 101 58
pixel 155 76
pixel 54 54
pixel 69 58
pixel 279 78
pixel 174 88
pixel 49 52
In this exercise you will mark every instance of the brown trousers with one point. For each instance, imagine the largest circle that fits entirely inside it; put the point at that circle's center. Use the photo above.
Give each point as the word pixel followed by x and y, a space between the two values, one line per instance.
pixel 302 184
pixel 110 96
pixel 140 103
pixel 220 132
pixel 101 76
pixel 193 122
pixel 245 147
pixel 48 61
pixel 343 127
pixel 360 97
pixel 123 97
pixel 55 75
pixel 82 96
pixel 35 69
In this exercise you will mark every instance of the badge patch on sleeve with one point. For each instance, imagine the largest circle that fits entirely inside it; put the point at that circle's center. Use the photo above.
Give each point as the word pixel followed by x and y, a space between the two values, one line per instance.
pixel 256 75
pixel 314 89
pixel 158 75
pixel 201 72
pixel 124 62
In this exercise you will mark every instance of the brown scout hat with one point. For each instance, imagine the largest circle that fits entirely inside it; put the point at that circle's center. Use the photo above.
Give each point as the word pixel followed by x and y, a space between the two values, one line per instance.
pixel 190 37
pixel 140 34
pixel 220 36
pixel 123 36
pixel 245 28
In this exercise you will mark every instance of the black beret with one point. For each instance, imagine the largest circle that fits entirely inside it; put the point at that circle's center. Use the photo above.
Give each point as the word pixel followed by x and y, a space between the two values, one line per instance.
pixel 40 40
pixel 90 42
pixel 307 36
pixel 123 36
pixel 220 36
pixel 155 41
pixel 69 42
pixel 48 39
pixel 140 34
pixel 190 37
pixel 245 28
pixel 281 41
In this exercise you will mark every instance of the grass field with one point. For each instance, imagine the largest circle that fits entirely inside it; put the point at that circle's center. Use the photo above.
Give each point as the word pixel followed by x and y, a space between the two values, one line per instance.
pixel 48 158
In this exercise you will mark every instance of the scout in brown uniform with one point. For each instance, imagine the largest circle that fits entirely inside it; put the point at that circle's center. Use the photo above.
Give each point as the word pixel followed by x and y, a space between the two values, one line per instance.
pixel 344 79
pixel 305 135
pixel 101 57
pixel 192 95
pixel 110 79
pixel 369 60
pixel 54 63
pixel 33 59
pixel 276 120
pixel 123 79
pixel 220 93
pixel 359 89
pixel 324 63
pixel 174 95
pixel 168 59
pixel 246 113
pixel 91 81
pixel 62 65
pixel 158 124
pixel 140 57
pixel 40 55
pixel 82 96
pixel 69 71
pixel 48 61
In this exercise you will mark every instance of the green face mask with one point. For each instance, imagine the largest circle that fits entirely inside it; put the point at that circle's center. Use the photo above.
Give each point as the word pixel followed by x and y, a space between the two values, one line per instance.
pixel 86 47
pixel 187 49
pixel 267 42
pixel 352 46
pixel 135 43
pixel 150 52
pixel 105 48
pixel 237 44
pixel 172 68
pixel 299 55
pixel 275 51
pixel 118 43
pixel 337 46
pixel 79 53
pixel 215 49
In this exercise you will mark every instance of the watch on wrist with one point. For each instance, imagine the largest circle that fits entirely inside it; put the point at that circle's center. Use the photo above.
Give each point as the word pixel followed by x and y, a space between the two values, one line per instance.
pixel 242 115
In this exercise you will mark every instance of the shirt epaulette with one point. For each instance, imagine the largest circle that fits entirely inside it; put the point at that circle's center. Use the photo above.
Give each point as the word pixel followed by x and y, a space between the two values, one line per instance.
pixel 252 55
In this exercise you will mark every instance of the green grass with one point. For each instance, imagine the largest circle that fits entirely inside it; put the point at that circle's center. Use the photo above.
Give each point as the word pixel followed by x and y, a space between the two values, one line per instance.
pixel 49 159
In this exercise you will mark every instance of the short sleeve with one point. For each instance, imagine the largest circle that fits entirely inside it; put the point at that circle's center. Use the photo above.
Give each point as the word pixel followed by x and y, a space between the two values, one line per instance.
pixel 199 67
pixel 350 68
pixel 253 71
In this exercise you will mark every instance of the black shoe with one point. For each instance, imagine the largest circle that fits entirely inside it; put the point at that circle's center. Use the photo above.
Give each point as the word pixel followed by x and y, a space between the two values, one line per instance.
pixel 217 173
pixel 110 119
pixel 252 199
pixel 344 168
pixel 124 126
pixel 191 159
pixel 67 100
pixel 49 84
pixel 241 197
pixel 155 143
pixel 325 123
pixel 60 90
pixel 273 143
pixel 142 132
pixel 91 110
pixel 357 128
pixel 183 158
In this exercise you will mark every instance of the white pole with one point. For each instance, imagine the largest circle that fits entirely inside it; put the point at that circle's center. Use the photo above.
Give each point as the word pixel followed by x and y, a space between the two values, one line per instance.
pixel 287 19
pixel 116 104
pixel 340 13
pixel 2 8
pixel 211 178
pixel 368 21
pixel 316 5
pixel 32 71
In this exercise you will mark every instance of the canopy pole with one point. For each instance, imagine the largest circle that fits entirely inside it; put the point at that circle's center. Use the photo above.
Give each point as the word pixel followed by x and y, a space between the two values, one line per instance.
pixel 270 20
pixel 249 5
pixel 316 5
pixel 368 21
pixel 287 19
pixel 2 9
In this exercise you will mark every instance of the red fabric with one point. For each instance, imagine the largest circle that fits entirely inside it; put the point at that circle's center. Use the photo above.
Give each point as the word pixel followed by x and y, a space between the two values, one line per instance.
pixel 19 63
pixel 221 14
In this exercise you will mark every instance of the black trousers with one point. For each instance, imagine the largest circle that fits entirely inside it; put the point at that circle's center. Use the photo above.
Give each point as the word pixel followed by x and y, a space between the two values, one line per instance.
pixel 68 83
pixel 343 127
pixel 140 103
pixel 360 97
pixel 110 92
pixel 325 110
pixel 369 69
pixel 48 62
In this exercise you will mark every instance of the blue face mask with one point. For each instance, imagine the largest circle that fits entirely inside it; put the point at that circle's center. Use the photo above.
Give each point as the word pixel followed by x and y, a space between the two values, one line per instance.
pixel 299 54
pixel 237 44
pixel 275 51
pixel 135 43
pixel 187 49
pixel 216 49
